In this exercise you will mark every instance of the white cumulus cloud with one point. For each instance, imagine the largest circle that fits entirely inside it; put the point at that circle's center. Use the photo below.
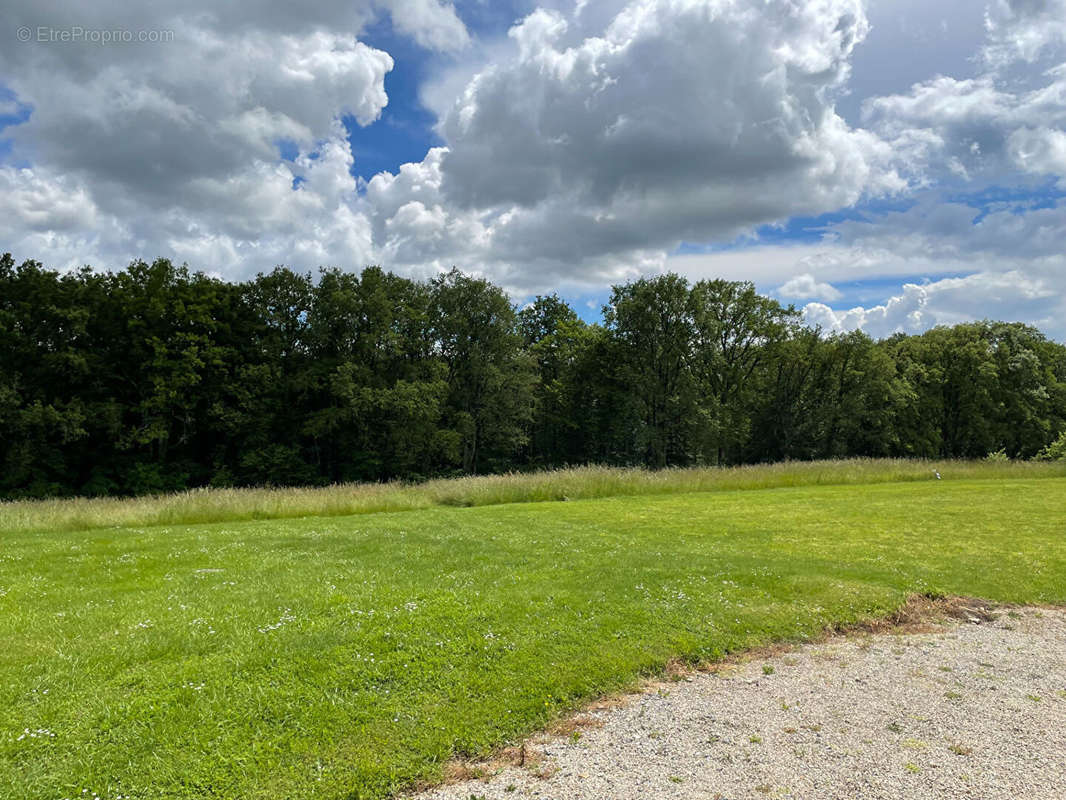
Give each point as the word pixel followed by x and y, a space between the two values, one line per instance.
pixel 580 150
pixel 1023 29
pixel 806 287
pixel 601 140
pixel 1012 295
pixel 175 143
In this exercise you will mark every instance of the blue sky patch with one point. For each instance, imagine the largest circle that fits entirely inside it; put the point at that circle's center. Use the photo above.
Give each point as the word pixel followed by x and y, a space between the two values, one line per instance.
pixel 800 230
pixel 1015 199
pixel 405 130
pixel 22 112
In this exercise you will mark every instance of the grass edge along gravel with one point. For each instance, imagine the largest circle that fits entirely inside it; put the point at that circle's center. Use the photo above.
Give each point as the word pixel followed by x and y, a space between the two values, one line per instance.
pixel 930 612
pixel 208 505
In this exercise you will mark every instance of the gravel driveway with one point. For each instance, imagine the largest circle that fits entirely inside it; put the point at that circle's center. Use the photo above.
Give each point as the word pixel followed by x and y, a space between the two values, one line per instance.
pixel 969 711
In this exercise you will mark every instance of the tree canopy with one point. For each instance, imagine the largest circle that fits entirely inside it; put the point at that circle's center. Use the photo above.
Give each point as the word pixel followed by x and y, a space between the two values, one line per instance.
pixel 157 378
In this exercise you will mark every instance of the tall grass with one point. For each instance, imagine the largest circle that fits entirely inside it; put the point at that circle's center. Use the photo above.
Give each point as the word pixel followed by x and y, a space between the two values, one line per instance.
pixel 577 483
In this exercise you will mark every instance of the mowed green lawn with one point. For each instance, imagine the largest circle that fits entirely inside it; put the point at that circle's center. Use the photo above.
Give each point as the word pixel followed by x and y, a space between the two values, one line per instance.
pixel 348 657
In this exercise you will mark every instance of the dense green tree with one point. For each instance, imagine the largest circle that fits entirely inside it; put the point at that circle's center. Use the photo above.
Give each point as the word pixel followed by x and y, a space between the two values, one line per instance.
pixel 651 333
pixel 1030 394
pixel 474 330
pixel 557 339
pixel 736 331
pixel 383 392
pixel 156 378
pixel 788 421
pixel 43 371
pixel 978 387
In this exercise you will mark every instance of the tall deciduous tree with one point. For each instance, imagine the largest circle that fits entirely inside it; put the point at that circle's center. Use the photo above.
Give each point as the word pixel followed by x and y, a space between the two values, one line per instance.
pixel 736 331
pixel 474 332
pixel 651 328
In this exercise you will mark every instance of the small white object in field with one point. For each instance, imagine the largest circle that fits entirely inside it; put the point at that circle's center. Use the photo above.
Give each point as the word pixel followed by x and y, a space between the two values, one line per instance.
pixel 937 473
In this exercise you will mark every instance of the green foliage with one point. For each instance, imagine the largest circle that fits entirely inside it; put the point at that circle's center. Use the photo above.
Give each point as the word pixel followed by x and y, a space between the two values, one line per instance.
pixel 691 360
pixel 156 379
pixel 974 388
pixel 1056 451
pixel 489 378
pixel 351 657
pixel 559 344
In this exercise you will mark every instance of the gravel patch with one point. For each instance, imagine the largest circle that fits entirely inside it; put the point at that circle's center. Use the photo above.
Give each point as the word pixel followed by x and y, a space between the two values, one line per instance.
pixel 968 711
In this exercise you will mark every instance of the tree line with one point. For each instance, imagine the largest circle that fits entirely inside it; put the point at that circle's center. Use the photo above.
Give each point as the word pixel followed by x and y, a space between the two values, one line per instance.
pixel 157 378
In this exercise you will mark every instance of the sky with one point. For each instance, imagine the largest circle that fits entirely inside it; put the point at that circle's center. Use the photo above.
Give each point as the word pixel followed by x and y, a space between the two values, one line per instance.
pixel 888 165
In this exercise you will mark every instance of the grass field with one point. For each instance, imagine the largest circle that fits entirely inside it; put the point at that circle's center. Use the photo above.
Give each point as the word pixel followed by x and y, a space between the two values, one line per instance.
pixel 349 656
pixel 578 483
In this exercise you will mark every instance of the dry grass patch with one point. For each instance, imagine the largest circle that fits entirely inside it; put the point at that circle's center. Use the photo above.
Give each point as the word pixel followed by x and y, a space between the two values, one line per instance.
pixel 207 505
